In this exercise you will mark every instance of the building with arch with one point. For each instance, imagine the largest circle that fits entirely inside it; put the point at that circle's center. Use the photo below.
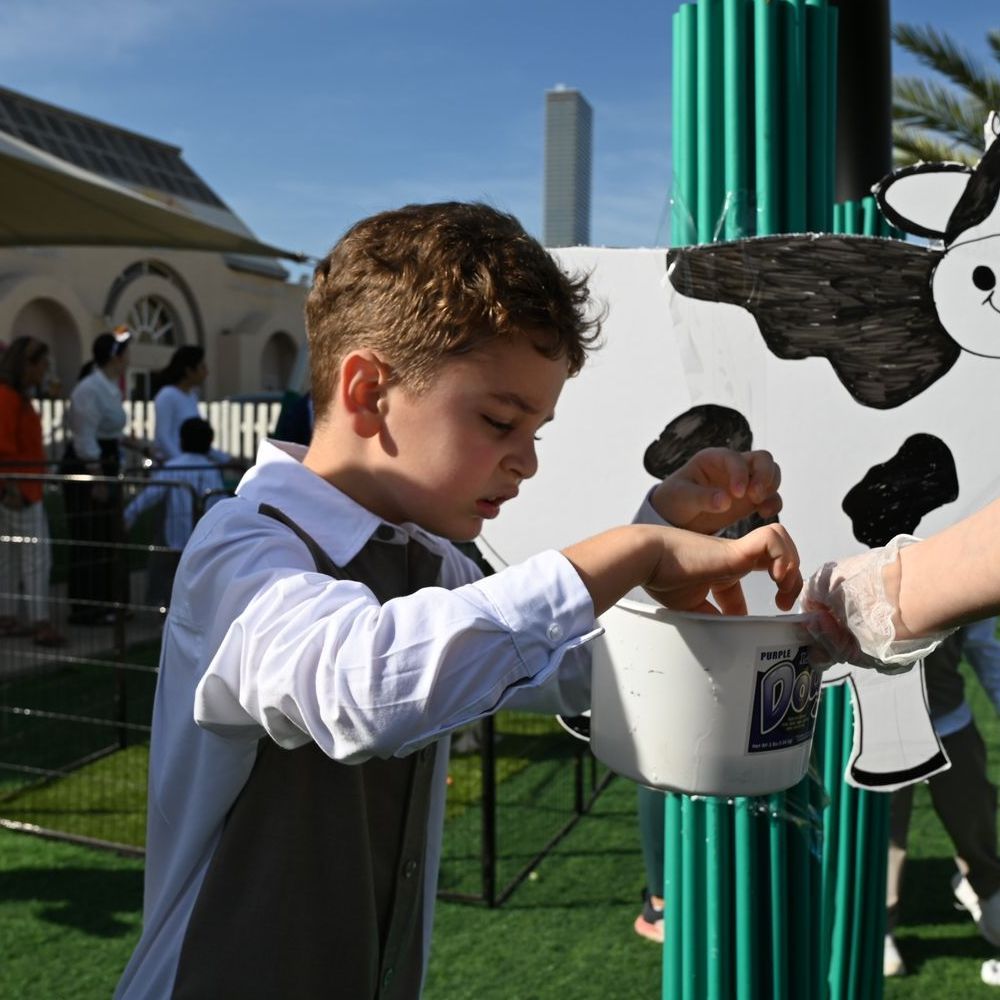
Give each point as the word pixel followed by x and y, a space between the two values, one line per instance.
pixel 242 309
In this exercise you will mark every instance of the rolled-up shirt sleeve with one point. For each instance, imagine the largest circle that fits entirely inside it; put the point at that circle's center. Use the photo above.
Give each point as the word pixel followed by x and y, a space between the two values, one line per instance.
pixel 313 659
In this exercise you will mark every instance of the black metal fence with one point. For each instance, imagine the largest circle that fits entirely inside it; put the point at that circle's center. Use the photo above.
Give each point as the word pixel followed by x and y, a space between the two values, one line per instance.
pixel 76 695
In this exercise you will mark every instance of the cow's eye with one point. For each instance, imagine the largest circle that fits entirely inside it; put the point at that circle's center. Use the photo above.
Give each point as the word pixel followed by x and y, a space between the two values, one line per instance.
pixel 984 279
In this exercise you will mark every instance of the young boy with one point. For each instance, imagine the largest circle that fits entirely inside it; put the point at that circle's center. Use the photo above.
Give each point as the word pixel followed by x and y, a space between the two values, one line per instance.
pixel 323 638
pixel 199 475
pixel 193 467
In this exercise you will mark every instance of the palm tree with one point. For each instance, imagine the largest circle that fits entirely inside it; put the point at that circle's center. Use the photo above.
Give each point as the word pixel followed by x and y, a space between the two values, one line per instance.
pixel 932 121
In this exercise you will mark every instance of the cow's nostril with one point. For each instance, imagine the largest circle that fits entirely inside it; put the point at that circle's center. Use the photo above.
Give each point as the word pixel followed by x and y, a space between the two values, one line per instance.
pixel 983 278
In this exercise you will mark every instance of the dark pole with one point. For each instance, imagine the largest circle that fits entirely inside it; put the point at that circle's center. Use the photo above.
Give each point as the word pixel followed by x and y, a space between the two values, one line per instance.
pixel 864 96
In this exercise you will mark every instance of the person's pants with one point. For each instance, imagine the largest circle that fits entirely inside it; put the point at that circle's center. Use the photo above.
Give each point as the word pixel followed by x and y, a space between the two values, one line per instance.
pixel 651 834
pixel 982 649
pixel 965 801
pixel 97 573
pixel 25 565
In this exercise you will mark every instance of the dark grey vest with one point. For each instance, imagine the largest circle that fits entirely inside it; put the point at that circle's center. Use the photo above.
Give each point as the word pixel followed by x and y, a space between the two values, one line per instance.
pixel 316 888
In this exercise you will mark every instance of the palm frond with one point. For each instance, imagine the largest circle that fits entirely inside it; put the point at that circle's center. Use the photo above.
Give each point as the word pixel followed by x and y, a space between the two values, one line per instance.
pixel 913 146
pixel 926 104
pixel 939 52
pixel 993 41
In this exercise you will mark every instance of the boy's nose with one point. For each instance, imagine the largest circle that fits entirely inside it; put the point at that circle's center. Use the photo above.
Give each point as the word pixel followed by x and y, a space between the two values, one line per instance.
pixel 524 462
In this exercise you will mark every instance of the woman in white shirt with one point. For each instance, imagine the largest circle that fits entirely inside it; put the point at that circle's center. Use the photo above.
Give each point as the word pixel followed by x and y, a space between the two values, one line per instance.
pixel 177 400
pixel 96 423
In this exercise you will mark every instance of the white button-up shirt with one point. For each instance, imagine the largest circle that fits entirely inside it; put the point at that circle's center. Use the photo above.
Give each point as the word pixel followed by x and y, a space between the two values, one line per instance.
pixel 258 644
pixel 95 412
pixel 171 407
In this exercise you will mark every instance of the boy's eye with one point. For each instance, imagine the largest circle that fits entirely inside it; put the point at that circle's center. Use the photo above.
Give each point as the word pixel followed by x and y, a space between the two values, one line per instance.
pixel 499 425
pixel 504 427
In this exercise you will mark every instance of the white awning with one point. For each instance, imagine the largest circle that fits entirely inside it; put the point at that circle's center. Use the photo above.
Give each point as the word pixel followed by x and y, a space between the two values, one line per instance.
pixel 46 201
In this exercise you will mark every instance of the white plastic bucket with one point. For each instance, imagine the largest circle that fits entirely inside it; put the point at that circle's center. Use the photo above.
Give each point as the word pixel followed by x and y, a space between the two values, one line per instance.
pixel 703 704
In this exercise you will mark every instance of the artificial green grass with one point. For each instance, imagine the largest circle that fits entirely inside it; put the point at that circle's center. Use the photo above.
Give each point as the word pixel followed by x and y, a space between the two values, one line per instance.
pixel 64 717
pixel 106 800
pixel 942 950
pixel 69 917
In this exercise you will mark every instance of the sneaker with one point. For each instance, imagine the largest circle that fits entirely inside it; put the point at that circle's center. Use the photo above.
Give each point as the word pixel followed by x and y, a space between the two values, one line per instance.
pixel 990 972
pixel 892 961
pixel 649 923
pixel 965 896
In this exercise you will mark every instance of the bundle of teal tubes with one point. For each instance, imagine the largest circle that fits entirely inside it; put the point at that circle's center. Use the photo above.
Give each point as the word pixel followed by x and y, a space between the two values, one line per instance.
pixel 780 898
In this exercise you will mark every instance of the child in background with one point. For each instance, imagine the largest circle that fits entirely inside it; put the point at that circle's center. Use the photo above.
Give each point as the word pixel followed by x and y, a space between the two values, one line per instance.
pixel 199 475
pixel 324 637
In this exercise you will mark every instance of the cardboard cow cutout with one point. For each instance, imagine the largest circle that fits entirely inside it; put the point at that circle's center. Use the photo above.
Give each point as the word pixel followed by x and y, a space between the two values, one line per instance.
pixel 867 366
pixel 890 317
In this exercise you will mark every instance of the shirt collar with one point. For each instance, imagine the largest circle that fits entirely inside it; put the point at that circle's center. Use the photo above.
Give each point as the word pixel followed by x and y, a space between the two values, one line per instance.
pixel 340 525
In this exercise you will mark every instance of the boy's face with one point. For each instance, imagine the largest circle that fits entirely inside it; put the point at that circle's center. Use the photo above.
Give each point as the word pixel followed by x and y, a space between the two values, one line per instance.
pixel 454 453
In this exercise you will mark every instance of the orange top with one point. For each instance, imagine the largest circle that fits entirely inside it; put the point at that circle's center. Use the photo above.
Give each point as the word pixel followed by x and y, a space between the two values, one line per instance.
pixel 21 440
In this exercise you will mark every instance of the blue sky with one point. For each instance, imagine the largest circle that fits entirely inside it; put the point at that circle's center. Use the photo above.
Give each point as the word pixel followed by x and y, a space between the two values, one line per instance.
pixel 305 115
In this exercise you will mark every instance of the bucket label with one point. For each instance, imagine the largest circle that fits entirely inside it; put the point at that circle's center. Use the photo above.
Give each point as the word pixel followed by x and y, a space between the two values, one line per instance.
pixel 786 699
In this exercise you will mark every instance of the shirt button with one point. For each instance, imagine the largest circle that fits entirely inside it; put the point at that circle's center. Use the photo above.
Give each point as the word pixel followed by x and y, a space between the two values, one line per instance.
pixel 409 869
pixel 554 632
pixel 384 533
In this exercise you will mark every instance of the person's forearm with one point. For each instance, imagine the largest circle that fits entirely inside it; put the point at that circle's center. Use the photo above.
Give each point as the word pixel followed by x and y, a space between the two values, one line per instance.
pixel 614 562
pixel 682 569
pixel 950 578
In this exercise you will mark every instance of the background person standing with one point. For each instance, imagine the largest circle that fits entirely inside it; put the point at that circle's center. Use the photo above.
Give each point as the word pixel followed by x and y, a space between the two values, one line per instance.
pixel 24 567
pixel 96 424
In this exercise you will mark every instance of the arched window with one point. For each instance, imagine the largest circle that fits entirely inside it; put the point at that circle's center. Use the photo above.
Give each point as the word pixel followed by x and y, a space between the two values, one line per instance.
pixel 154 321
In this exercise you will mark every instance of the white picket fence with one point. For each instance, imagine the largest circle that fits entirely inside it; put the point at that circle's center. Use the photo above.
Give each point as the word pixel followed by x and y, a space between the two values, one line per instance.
pixel 238 427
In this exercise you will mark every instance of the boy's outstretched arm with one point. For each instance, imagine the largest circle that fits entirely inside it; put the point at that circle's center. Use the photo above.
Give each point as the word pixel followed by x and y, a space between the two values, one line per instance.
pixel 717 487
pixel 681 569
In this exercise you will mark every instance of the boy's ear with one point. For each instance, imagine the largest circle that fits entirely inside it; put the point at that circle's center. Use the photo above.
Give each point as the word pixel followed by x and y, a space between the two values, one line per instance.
pixel 363 381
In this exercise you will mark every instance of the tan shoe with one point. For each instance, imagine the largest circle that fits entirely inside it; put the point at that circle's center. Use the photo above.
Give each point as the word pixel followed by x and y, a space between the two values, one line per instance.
pixel 892 961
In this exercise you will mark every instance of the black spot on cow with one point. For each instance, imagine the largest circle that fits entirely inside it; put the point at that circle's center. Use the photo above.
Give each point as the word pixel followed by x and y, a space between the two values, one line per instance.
pixel 863 303
pixel 705 426
pixel 893 497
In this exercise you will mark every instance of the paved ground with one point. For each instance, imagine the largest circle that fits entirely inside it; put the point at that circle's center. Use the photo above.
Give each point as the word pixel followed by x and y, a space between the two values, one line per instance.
pixel 20 656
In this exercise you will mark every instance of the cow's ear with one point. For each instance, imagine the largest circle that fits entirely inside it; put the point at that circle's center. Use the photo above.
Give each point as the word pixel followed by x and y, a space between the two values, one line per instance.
pixel 920 199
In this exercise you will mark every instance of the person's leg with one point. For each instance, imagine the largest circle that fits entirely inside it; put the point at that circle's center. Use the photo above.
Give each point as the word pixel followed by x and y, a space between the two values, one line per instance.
pixel 651 834
pixel 966 802
pixel 76 500
pixel 651 803
pixel 10 576
pixel 36 565
pixel 982 649
pixel 900 809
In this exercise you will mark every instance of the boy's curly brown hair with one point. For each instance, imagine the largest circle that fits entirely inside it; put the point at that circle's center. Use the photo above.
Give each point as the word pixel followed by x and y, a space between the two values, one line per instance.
pixel 425 282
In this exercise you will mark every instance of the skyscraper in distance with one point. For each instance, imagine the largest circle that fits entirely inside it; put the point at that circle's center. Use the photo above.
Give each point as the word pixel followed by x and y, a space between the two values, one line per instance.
pixel 568 141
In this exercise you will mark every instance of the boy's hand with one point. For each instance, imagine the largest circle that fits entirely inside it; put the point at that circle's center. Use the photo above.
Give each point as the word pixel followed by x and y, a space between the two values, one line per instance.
pixel 687 574
pixel 718 487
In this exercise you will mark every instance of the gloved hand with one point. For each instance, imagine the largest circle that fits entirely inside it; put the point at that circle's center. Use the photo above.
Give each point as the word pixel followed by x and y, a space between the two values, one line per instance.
pixel 851 612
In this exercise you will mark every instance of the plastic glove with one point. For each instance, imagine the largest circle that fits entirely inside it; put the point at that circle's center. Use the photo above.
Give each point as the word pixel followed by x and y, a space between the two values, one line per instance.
pixel 851 612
